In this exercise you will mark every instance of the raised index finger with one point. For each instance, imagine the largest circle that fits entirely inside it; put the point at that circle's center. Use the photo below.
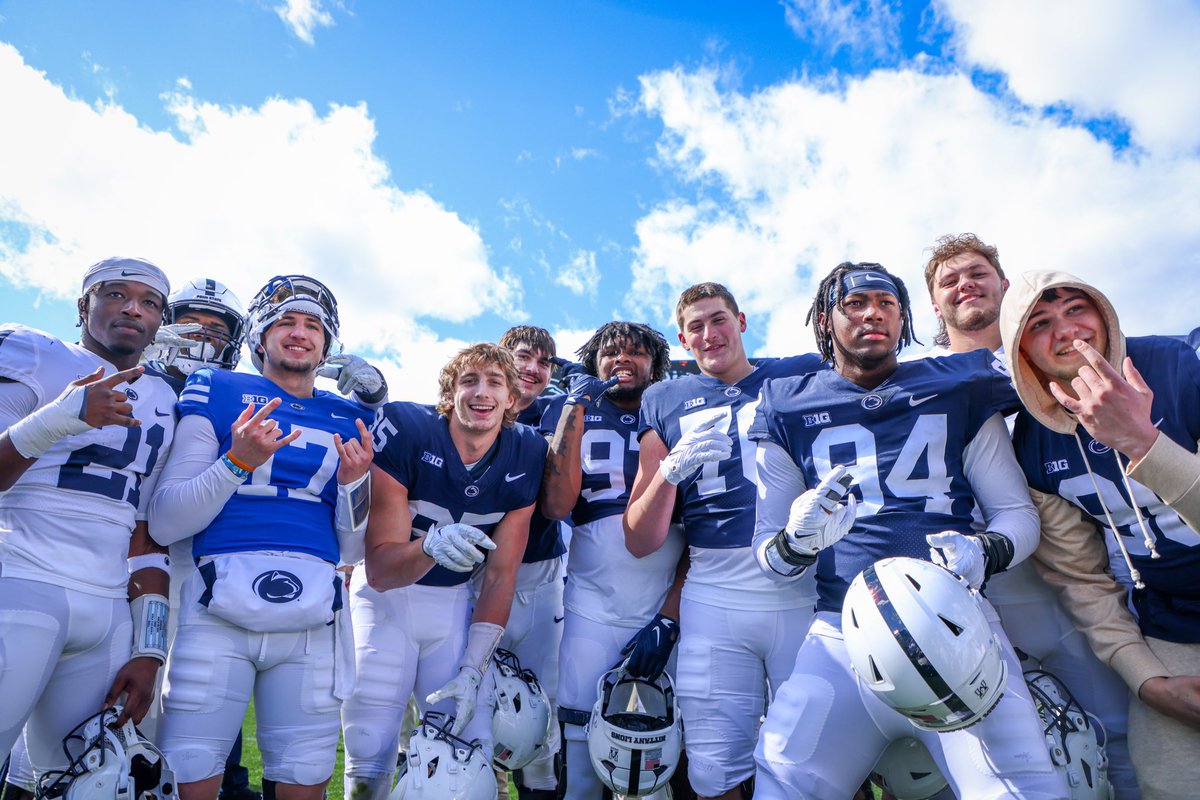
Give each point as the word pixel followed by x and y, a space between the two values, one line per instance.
pixel 120 377
pixel 1098 362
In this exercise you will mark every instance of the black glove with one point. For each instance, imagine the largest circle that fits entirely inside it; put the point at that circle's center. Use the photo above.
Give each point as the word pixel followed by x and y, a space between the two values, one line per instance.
pixel 650 648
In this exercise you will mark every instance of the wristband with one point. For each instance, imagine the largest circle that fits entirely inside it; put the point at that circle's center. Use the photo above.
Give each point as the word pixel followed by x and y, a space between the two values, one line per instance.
pixel 998 552
pixel 238 469
pixel 149 561
pixel 150 612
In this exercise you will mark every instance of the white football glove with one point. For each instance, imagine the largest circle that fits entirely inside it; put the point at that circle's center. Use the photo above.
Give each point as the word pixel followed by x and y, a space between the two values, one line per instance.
pixel 464 689
pixel 959 553
pixel 456 546
pixel 818 518
pixel 173 335
pixel 696 448
pixel 354 374
pixel 170 340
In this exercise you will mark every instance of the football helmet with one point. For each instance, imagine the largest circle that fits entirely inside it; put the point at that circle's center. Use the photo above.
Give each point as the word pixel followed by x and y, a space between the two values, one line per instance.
pixel 918 638
pixel 285 293
pixel 214 297
pixel 107 762
pixel 634 735
pixel 1076 738
pixel 907 771
pixel 521 723
pixel 441 766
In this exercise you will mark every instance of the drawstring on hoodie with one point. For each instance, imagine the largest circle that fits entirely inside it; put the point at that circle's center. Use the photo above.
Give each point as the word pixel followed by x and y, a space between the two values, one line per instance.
pixel 1147 537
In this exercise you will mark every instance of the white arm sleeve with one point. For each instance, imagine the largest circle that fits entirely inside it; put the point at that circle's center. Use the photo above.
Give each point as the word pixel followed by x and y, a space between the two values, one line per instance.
pixel 999 487
pixel 17 401
pixel 194 486
pixel 780 482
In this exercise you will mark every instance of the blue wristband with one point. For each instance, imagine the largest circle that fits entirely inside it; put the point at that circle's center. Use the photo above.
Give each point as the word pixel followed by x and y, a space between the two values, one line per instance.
pixel 238 472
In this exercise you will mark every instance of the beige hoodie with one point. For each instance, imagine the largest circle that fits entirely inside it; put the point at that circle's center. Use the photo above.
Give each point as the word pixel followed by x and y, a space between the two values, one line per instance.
pixel 1072 555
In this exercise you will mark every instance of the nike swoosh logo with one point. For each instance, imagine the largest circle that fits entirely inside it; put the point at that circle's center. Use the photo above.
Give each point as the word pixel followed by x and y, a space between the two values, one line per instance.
pixel 126 274
pixel 916 401
pixel 1160 422
pixel 338 416
pixel 511 478
pixel 162 413
pixel 559 619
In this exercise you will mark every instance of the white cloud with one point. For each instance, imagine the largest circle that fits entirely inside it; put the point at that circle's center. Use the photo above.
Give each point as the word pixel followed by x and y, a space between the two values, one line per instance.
pixel 580 153
pixel 580 275
pixel 239 194
pixel 303 17
pixel 870 27
pixel 1130 58
pixel 806 177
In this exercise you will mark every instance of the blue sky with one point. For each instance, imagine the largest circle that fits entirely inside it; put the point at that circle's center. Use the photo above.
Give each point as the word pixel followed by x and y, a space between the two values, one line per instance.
pixel 450 169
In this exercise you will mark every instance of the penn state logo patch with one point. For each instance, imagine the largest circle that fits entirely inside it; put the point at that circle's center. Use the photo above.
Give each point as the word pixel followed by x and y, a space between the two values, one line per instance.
pixel 628 419
pixel 277 586
pixel 732 391
pixel 1097 448
pixel 131 394
pixel 872 402
pixel 471 491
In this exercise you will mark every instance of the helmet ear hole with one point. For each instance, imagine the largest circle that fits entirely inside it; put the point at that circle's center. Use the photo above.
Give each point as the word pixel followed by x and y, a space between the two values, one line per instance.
pixel 955 629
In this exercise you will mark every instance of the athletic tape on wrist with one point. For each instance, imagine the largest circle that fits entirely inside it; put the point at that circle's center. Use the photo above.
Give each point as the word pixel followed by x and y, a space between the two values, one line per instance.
pixel 44 428
pixel 150 613
pixel 482 639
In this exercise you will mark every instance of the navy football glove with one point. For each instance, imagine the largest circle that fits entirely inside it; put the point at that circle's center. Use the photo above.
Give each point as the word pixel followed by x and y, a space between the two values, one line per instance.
pixel 650 648
pixel 585 389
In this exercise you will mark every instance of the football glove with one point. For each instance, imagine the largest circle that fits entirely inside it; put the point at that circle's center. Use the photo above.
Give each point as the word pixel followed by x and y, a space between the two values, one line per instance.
pixel 818 518
pixel 456 546
pixel 355 374
pixel 697 447
pixel 169 341
pixel 463 689
pixel 961 554
pixel 584 389
pixel 566 369
pixel 650 648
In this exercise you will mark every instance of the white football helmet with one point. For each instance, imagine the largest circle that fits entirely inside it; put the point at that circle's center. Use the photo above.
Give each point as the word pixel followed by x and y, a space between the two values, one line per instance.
pixel 441 766
pixel 634 734
pixel 106 762
pixel 1076 738
pixel 918 638
pixel 214 297
pixel 521 723
pixel 908 772
pixel 285 293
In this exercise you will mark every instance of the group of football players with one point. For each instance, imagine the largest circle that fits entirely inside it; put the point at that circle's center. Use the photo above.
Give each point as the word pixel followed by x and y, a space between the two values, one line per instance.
pixel 785 577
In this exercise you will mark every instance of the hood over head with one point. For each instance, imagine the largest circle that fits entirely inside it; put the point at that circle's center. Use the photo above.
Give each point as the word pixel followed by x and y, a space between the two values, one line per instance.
pixel 1023 294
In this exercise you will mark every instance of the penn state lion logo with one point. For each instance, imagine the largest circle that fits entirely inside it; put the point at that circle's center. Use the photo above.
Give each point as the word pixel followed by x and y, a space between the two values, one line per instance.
pixel 277 586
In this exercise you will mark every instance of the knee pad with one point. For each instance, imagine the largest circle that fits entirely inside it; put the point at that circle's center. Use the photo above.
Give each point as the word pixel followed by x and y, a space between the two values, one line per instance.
pixel 304 760
pixel 368 754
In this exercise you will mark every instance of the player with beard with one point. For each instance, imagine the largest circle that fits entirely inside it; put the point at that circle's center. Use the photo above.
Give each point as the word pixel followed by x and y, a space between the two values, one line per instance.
pixel 592 465
pixel 534 629
pixel 85 433
pixel 966 284
pixel 923 444
pixel 739 633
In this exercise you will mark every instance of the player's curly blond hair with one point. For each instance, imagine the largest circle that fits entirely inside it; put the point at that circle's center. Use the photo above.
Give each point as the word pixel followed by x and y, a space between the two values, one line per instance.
pixel 474 357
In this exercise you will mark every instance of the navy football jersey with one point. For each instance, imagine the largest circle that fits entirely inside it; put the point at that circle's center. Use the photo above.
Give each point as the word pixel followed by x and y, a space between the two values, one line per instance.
pixel 545 535
pixel 1169 607
pixel 902 441
pixel 287 503
pixel 717 501
pixel 413 445
pixel 609 458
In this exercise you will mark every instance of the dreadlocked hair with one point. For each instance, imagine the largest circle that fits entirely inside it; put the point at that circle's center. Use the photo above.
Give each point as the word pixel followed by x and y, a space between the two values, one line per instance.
pixel 635 333
pixel 822 306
